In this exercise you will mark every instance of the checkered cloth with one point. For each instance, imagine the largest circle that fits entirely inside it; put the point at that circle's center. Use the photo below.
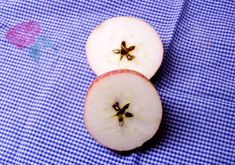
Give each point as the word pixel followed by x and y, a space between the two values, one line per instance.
pixel 44 77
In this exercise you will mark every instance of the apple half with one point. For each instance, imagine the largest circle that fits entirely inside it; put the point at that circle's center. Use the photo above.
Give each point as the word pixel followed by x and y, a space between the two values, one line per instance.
pixel 122 110
pixel 124 43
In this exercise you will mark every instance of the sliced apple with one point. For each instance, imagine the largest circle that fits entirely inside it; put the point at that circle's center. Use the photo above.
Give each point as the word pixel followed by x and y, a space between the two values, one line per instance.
pixel 124 43
pixel 122 110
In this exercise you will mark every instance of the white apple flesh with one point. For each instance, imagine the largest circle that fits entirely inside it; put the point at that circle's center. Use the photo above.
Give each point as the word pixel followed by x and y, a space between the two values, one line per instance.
pixel 122 110
pixel 124 43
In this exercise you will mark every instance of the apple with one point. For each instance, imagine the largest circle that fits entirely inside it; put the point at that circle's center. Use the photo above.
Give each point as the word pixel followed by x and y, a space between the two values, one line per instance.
pixel 124 43
pixel 122 110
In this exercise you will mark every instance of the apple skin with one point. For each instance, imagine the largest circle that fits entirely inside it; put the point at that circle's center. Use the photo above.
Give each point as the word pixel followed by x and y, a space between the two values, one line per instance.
pixel 101 77
pixel 118 71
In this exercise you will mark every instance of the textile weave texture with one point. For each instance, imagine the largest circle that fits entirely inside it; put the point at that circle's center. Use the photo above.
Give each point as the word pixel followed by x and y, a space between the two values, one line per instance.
pixel 44 76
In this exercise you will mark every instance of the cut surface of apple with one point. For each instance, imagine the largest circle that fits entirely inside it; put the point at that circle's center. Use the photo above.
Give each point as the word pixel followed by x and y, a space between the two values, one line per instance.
pixel 122 110
pixel 124 43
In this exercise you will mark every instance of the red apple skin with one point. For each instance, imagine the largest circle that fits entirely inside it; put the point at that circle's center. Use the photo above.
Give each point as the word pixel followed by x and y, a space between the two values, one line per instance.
pixel 118 71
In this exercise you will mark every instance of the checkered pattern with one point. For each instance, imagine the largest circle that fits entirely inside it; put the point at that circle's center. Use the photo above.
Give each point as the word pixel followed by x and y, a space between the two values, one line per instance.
pixel 41 103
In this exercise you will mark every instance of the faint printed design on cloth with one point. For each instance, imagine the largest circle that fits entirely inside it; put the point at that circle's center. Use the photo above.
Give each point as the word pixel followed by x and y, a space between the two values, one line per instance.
pixel 26 35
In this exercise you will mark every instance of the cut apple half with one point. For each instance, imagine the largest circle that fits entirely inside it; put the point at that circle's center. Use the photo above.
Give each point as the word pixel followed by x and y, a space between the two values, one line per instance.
pixel 122 110
pixel 124 43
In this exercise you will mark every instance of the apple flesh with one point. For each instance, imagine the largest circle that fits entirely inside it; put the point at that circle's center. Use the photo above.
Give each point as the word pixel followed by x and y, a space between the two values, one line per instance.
pixel 122 110
pixel 124 43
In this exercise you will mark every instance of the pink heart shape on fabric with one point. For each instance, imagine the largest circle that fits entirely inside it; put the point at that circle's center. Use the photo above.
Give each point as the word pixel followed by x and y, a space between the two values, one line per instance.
pixel 23 35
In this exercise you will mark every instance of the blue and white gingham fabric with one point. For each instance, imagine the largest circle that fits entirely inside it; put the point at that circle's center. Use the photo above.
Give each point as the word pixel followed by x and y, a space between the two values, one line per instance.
pixel 42 95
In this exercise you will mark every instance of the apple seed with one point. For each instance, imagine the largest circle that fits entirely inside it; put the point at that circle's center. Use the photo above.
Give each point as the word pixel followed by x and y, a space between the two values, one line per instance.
pixel 121 112
pixel 124 51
